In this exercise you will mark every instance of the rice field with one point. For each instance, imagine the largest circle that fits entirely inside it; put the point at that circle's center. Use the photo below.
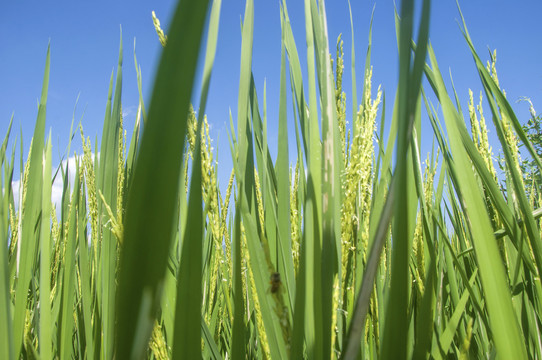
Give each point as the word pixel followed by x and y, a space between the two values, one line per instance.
pixel 363 247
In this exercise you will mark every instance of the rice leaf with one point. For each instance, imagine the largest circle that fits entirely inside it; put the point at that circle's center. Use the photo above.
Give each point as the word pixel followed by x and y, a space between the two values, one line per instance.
pixel 505 328
pixel 32 216
pixel 187 333
pixel 46 323
pixel 6 320
pixel 149 221
pixel 396 328
pixel 69 276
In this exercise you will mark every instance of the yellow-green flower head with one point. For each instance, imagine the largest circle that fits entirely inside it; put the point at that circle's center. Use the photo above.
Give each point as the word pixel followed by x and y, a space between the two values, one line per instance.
pixel 161 36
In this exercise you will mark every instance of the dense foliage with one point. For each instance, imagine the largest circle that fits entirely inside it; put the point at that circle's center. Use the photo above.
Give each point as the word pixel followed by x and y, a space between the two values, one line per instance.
pixel 358 249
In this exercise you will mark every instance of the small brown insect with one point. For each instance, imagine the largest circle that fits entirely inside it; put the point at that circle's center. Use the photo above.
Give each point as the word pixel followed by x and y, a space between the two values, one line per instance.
pixel 275 282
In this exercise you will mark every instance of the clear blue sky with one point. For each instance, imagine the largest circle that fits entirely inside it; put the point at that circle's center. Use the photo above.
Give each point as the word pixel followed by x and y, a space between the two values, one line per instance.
pixel 84 38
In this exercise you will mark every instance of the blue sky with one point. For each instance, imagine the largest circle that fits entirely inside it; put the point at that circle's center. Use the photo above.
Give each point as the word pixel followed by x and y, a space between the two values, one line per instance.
pixel 84 38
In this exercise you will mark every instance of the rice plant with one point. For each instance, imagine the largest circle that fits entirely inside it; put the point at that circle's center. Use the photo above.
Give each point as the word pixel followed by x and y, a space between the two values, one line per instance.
pixel 356 249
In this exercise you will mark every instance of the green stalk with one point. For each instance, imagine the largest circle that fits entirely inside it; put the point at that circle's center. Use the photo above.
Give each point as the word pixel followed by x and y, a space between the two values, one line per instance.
pixel 286 267
pixel 107 184
pixel 187 333
pixel 32 215
pixel 46 324
pixel 68 281
pixel 396 329
pixel 188 311
pixel 331 166
pixel 6 319
pixel 149 222
pixel 238 348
